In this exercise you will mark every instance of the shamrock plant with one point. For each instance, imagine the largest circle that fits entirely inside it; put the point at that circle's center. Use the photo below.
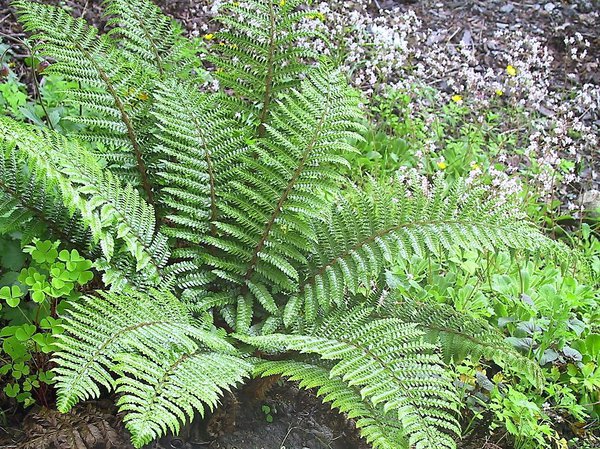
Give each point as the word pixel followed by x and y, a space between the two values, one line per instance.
pixel 30 308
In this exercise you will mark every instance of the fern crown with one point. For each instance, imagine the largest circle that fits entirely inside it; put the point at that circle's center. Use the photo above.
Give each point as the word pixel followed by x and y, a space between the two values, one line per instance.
pixel 220 222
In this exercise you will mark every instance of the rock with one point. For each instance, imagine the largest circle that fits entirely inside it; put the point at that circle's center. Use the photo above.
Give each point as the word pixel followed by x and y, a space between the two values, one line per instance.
pixel 467 39
pixel 585 6
pixel 549 7
pixel 508 8
pixel 591 202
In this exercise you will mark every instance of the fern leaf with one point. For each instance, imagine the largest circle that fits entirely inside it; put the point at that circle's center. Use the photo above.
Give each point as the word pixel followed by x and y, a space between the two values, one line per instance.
pixel 112 212
pixel 111 85
pixel 460 335
pixel 369 231
pixel 258 56
pixel 389 364
pixel 30 204
pixel 143 33
pixel 263 216
pixel 168 365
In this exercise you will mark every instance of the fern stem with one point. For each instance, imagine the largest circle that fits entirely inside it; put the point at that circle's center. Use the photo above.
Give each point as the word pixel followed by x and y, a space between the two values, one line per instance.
pixel 211 177
pixel 159 62
pixel 283 198
pixel 141 165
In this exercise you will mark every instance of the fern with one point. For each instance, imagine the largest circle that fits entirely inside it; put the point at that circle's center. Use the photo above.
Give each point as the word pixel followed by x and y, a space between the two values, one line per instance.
pixel 232 205
pixel 257 55
pixel 112 88
pixel 459 335
pixel 368 231
pixel 276 193
pixel 30 204
pixel 144 34
pixel 112 212
pixel 191 364
pixel 389 365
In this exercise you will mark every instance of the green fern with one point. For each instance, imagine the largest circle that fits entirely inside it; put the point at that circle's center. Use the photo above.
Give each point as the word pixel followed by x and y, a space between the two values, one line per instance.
pixel 113 213
pixel 369 230
pixel 459 335
pixel 191 365
pixel 387 363
pixel 144 34
pixel 30 204
pixel 257 54
pixel 383 432
pixel 284 184
pixel 230 206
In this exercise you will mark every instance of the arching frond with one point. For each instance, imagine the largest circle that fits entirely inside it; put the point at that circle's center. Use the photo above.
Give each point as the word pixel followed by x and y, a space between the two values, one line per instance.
pixel 114 214
pixel 167 365
pixel 112 89
pixel 257 53
pixel 146 35
pixel 460 335
pixel 368 231
pixel 265 215
pixel 380 430
pixel 389 365
pixel 33 205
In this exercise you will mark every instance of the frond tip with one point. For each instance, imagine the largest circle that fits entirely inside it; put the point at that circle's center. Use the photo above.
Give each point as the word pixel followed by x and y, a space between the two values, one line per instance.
pixel 459 335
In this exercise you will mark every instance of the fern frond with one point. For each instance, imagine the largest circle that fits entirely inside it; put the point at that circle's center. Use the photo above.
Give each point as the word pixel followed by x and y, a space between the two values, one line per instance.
pixel 33 205
pixel 390 366
pixel 197 152
pixel 460 335
pixel 112 212
pixel 144 34
pixel 265 213
pixel 258 56
pixel 370 230
pixel 111 86
pixel 380 430
pixel 168 365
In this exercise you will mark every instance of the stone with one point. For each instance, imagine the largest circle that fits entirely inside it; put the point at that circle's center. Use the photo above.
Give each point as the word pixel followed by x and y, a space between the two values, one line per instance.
pixel 508 8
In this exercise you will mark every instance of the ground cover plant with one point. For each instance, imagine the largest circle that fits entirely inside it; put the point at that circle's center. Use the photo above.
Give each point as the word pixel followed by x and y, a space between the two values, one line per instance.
pixel 232 245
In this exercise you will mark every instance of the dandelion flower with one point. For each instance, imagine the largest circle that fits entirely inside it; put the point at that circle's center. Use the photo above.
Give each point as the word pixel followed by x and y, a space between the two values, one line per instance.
pixel 511 70
pixel 499 92
pixel 209 36
pixel 442 165
pixel 281 2
pixel 457 99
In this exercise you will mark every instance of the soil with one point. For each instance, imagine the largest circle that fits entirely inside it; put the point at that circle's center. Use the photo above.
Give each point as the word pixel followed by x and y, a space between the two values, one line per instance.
pixel 286 417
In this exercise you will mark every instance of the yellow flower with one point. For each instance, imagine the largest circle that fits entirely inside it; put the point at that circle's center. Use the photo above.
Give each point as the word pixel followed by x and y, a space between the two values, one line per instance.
pixel 236 3
pixel 499 92
pixel 281 2
pixel 457 98
pixel 511 70
pixel 442 165
pixel 143 96
pixel 209 36
pixel 317 15
pixel 475 167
